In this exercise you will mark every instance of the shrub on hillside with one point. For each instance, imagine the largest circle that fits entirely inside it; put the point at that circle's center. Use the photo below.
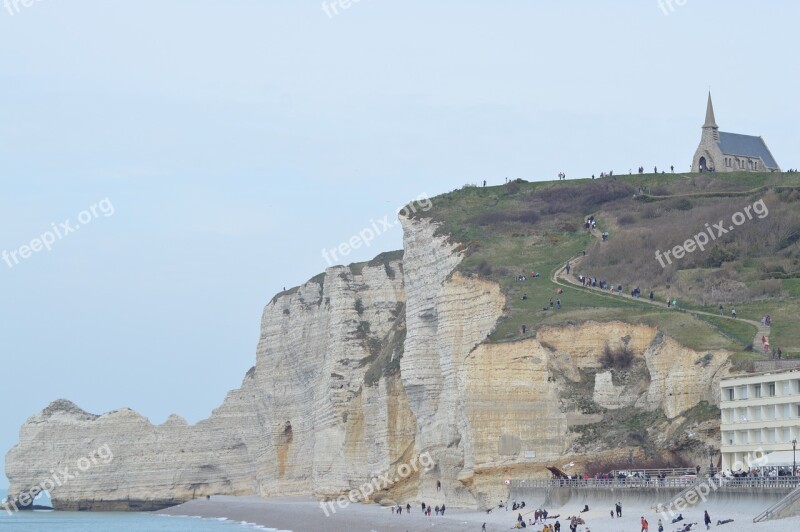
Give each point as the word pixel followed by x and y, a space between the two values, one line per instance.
pixel 720 254
pixel 768 288
pixel 484 269
pixel 651 211
pixel 679 204
pixel 626 219
pixel 512 187
pixel 568 227
pixel 584 198
pixel 620 357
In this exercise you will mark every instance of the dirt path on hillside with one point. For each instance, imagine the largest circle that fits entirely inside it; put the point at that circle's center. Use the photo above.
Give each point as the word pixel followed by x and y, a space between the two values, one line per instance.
pixel 561 278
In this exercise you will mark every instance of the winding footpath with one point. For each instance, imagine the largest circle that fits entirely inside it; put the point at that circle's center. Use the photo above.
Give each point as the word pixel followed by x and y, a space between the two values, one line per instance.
pixel 561 278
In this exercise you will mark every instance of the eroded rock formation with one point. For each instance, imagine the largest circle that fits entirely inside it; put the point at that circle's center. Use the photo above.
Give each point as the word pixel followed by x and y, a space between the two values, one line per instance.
pixel 357 372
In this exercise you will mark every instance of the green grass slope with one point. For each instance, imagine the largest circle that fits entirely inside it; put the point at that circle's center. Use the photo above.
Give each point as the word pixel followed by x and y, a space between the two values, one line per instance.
pixel 520 228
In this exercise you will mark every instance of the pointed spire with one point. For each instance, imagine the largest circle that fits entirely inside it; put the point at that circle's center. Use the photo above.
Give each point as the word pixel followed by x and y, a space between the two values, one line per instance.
pixel 710 121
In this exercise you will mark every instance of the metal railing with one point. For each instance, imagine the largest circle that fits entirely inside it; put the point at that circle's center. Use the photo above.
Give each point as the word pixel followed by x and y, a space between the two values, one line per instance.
pixel 776 508
pixel 669 472
pixel 669 482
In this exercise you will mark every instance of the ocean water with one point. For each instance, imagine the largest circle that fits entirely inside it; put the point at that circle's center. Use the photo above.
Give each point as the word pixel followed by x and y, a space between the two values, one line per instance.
pixel 115 522
pixel 47 521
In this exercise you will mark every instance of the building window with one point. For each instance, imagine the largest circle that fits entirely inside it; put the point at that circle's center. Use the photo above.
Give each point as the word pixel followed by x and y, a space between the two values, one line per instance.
pixel 742 392
pixel 798 410
pixel 757 391
pixel 771 389
pixel 730 393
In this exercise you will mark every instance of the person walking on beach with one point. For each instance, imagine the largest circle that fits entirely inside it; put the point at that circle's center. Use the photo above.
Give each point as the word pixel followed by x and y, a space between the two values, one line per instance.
pixel 442 509
pixel 645 525
pixel 707 520
pixel 408 508
pixel 619 509
pixel 660 526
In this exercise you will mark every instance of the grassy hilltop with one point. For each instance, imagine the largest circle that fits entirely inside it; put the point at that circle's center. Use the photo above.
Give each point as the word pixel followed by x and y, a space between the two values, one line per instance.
pixel 522 227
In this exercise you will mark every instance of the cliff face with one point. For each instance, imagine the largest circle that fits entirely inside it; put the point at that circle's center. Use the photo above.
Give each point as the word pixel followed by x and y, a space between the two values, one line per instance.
pixel 358 372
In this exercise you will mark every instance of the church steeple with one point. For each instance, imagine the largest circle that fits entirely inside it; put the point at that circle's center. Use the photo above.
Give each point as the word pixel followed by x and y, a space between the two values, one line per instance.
pixel 710 121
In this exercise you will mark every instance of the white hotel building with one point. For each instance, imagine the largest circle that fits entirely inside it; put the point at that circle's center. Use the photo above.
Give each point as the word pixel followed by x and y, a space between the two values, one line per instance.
pixel 760 415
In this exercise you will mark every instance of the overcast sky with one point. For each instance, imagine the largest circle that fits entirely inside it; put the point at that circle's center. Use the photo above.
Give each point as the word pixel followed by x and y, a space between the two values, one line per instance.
pixel 213 149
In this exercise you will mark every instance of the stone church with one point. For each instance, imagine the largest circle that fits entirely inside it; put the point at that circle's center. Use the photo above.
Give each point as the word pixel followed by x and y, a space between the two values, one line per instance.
pixel 730 152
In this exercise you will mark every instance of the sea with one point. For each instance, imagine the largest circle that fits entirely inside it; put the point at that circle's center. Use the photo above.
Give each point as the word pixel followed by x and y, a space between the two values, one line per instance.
pixel 47 521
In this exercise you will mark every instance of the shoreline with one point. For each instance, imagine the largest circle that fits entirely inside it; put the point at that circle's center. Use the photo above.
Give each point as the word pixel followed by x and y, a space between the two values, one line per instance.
pixel 301 514
pixel 304 514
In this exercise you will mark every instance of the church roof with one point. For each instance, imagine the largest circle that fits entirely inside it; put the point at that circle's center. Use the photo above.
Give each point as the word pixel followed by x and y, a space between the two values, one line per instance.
pixel 746 146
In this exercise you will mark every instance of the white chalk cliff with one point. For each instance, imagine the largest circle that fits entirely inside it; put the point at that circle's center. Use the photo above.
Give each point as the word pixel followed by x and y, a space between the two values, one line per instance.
pixel 357 372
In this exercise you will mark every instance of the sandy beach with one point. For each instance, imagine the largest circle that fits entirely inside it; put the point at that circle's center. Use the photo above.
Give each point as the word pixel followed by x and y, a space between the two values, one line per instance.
pixel 301 514
pixel 304 514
